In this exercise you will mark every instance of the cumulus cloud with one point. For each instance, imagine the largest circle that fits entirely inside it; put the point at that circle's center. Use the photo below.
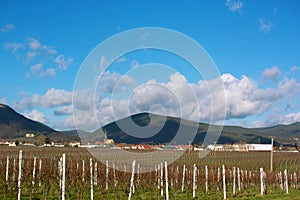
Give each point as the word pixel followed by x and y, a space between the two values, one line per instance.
pixel 85 110
pixel 244 98
pixel 37 116
pixel 86 121
pixel 192 101
pixel 265 25
pixel 150 94
pixel 289 87
pixel 290 118
pixel 275 119
pixel 110 82
pixel 271 74
pixel 108 110
pixel 175 98
pixel 234 5
pixel 143 98
pixel 202 101
pixel 53 97
pixel 7 28
pixel 64 110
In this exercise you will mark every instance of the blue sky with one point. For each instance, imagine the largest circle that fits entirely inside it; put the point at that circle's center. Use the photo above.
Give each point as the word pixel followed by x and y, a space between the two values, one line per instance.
pixel 255 45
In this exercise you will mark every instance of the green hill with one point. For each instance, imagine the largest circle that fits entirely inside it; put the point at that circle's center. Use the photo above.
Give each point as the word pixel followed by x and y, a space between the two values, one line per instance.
pixel 230 134
pixel 283 133
pixel 14 125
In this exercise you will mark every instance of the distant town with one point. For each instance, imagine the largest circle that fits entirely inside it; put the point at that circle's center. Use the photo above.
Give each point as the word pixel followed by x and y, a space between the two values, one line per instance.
pixel 43 141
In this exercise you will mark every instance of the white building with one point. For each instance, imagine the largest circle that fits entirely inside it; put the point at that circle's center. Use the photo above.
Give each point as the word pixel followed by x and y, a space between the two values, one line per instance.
pixel 259 147
pixel 240 147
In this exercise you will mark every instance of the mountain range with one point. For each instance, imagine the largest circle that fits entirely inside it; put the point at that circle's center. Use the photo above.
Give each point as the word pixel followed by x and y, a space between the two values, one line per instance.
pixel 14 126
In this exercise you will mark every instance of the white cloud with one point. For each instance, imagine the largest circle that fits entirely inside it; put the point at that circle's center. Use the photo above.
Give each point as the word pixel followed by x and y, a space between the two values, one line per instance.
pixel 49 72
pixel 110 82
pixel 40 49
pixel 259 124
pixel 85 112
pixel 134 64
pixel 36 68
pixel 3 100
pixel 92 109
pixel 30 56
pixel 53 97
pixel 149 94
pixel 39 57
pixel 271 74
pixel 13 46
pixel 7 28
pixel 61 101
pixel 179 98
pixel 50 51
pixel 33 43
pixel 244 98
pixel 290 118
pixel 85 121
pixel 265 26
pixel 62 63
pixel 234 5
pixel 104 62
pixel 64 110
pixel 289 87
pixel 294 69
pixel 275 119
pixel 121 59
pixel 37 116
pixel 176 97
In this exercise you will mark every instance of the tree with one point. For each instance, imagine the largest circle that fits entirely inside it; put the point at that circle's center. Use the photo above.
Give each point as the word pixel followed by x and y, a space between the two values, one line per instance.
pixel 40 140
pixel 47 140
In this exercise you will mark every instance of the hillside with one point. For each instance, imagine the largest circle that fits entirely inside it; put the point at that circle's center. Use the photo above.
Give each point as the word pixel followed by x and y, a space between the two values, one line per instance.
pixel 230 134
pixel 14 125
pixel 282 133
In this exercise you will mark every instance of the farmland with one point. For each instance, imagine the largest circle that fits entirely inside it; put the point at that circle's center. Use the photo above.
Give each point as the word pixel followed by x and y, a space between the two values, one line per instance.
pixel 82 176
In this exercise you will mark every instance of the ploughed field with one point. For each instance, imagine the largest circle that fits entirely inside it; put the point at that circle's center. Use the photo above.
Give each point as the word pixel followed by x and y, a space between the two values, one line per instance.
pixel 45 173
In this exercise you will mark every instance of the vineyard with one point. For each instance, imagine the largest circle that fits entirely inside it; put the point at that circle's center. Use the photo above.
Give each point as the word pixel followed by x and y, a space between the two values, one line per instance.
pixel 73 173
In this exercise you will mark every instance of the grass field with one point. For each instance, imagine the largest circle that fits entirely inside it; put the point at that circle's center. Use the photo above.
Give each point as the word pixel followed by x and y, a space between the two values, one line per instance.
pixel 115 184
